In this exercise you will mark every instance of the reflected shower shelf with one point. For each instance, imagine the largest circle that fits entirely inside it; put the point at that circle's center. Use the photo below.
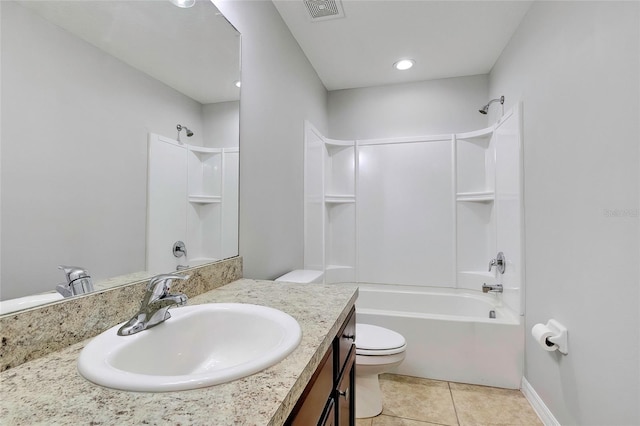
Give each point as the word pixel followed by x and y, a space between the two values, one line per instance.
pixel 339 199
pixel 205 199
pixel 476 197
pixel 204 150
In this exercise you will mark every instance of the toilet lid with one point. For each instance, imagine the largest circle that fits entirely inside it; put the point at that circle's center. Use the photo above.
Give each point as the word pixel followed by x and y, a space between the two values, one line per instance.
pixel 373 338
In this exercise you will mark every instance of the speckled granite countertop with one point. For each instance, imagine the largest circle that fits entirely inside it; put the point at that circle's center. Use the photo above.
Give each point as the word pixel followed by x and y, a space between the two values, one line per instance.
pixel 49 390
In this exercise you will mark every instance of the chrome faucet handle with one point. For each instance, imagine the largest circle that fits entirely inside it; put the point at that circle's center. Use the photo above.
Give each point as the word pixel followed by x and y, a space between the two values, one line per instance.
pixel 492 263
pixel 78 281
pixel 160 285
pixel 499 262
pixel 179 249
pixel 154 308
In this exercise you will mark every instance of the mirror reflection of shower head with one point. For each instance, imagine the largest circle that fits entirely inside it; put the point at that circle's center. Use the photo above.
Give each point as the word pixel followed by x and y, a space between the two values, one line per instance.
pixel 180 127
pixel 485 109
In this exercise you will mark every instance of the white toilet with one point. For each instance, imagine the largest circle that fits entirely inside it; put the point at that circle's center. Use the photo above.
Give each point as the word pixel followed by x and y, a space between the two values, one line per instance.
pixel 302 276
pixel 378 350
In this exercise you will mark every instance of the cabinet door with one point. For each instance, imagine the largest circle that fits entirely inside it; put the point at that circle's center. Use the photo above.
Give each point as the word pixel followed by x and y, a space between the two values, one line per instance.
pixel 345 340
pixel 309 411
pixel 346 392
pixel 329 418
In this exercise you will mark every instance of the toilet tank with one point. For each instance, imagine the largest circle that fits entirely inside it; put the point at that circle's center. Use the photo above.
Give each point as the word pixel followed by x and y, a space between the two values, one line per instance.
pixel 302 276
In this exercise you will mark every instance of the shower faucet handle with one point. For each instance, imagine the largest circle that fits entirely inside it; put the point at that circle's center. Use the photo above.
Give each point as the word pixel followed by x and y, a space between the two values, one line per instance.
pixel 499 262
pixel 179 249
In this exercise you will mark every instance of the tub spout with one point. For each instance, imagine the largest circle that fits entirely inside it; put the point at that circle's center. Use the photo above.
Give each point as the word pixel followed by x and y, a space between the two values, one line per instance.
pixel 497 288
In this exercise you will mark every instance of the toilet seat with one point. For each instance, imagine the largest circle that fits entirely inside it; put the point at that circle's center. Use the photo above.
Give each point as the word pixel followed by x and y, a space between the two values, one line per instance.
pixel 372 340
pixel 382 352
pixel 376 361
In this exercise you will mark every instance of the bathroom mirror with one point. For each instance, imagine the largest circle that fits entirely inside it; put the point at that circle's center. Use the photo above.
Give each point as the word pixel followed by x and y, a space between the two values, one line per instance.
pixel 84 84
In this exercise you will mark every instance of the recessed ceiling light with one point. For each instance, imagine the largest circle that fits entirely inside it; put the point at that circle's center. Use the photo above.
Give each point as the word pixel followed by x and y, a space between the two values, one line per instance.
pixel 183 3
pixel 237 83
pixel 404 64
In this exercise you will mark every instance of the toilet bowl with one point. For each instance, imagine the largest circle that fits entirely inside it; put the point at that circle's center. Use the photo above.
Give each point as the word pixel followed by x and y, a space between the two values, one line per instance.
pixel 378 350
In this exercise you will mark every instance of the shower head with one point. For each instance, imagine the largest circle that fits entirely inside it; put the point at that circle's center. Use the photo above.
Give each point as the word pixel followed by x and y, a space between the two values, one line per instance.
pixel 180 127
pixel 485 109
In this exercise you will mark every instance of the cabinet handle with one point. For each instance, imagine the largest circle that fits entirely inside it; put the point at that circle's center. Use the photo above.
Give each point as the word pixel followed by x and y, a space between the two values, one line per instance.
pixel 344 393
pixel 349 336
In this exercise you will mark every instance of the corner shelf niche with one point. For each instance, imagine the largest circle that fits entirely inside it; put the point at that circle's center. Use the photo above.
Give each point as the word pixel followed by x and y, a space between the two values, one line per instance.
pixel 340 210
pixel 339 169
pixel 475 164
pixel 204 217
pixel 475 199
pixel 330 206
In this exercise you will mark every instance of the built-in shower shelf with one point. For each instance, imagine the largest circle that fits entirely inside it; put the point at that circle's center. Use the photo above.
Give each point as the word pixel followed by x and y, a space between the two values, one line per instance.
pixel 476 197
pixel 204 150
pixel 338 143
pixel 339 198
pixel 481 136
pixel 205 199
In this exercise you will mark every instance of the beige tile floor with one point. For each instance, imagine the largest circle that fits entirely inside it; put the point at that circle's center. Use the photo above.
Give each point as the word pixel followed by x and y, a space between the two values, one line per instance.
pixel 410 401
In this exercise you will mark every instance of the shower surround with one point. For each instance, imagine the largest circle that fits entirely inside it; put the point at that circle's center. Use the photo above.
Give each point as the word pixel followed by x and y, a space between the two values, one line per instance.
pixel 428 214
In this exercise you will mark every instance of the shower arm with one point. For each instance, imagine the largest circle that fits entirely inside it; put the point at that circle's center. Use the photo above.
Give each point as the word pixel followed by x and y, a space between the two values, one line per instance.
pixel 500 99
pixel 485 109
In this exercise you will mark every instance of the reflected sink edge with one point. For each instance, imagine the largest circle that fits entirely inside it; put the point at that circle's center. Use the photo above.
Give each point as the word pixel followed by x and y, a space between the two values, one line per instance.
pixel 93 362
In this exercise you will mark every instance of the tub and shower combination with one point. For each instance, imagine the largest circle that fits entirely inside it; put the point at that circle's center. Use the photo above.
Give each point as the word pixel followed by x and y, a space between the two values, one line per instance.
pixel 416 221
pixel 450 333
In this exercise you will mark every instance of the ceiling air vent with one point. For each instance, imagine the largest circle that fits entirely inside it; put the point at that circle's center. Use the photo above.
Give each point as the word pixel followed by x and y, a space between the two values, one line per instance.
pixel 322 10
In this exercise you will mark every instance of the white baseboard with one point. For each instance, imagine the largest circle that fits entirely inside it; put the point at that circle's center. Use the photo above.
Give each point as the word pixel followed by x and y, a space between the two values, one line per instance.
pixel 538 405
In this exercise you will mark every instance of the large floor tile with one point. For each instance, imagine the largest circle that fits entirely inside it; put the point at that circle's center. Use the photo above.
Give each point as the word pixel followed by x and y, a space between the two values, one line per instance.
pixel 482 405
pixel 383 420
pixel 417 399
pixel 364 422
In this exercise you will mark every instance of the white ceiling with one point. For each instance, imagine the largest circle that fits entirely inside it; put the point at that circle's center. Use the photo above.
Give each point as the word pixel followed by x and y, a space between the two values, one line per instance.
pixel 195 51
pixel 446 38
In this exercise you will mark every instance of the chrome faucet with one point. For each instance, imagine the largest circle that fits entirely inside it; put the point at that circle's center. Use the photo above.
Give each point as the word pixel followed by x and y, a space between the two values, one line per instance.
pixel 496 288
pixel 78 281
pixel 155 305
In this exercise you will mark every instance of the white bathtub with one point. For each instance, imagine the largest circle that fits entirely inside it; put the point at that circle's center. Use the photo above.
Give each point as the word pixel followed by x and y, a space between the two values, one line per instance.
pixel 449 333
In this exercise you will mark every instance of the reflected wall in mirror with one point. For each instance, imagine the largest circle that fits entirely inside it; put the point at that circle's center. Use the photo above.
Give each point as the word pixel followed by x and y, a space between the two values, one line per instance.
pixel 84 84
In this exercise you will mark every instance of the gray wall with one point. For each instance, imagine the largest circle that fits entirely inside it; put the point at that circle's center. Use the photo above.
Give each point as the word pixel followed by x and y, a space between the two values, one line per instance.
pixel 411 109
pixel 575 67
pixel 221 124
pixel 280 89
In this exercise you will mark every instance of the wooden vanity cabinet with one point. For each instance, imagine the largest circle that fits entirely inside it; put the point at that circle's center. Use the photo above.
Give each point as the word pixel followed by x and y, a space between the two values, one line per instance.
pixel 329 398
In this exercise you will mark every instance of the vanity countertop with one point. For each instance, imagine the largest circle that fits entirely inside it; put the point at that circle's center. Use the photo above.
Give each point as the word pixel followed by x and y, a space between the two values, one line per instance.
pixel 49 390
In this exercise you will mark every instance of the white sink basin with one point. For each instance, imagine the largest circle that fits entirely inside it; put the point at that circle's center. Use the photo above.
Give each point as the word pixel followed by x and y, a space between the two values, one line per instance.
pixel 199 346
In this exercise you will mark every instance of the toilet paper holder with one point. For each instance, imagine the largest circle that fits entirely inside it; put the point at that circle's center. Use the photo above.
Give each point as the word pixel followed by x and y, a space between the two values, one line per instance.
pixel 559 337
